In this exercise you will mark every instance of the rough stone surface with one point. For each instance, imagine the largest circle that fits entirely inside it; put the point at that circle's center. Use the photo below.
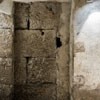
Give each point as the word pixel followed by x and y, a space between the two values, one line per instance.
pixel 42 70
pixel 21 15
pixel 6 21
pixel 6 92
pixel 62 57
pixel 37 92
pixel 41 61
pixel 6 61
pixel 6 41
pixel 20 71
pixel 6 71
pixel 44 15
pixel 31 43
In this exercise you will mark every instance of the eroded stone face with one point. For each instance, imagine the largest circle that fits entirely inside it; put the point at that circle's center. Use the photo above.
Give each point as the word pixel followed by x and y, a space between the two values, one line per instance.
pixel 42 70
pixel 44 15
pixel 31 43
pixel 41 64
pixel 6 21
pixel 6 71
pixel 6 41
pixel 20 71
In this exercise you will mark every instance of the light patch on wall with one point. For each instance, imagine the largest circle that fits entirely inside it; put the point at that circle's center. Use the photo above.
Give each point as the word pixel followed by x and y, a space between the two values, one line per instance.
pixel 87 63
pixel 7 5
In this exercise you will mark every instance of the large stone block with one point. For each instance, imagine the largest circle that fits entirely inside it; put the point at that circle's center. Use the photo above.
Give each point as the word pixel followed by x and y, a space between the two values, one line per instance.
pixel 21 15
pixel 35 92
pixel 44 15
pixel 6 21
pixel 42 70
pixel 6 92
pixel 34 43
pixel 6 71
pixel 20 71
pixel 6 41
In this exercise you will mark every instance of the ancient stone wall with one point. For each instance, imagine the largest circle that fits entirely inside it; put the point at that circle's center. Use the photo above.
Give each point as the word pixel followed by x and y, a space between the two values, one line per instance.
pixel 6 57
pixel 41 51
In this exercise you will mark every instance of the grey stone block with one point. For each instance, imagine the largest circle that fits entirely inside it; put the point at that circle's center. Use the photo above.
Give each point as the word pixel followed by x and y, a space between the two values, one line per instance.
pixel 6 21
pixel 42 70
pixel 35 92
pixel 34 43
pixel 6 41
pixel 21 15
pixel 44 15
pixel 20 71
pixel 6 71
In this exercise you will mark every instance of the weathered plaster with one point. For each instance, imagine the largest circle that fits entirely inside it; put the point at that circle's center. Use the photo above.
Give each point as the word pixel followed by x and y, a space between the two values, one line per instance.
pixel 82 13
pixel 87 60
pixel 86 81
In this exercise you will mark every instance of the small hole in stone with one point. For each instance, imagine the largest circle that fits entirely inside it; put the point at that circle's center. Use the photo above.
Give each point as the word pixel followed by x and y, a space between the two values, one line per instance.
pixel 42 33
pixel 58 42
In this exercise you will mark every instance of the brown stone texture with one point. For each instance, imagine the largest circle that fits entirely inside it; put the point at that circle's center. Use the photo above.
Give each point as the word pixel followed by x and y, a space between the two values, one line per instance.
pixel 6 71
pixel 63 56
pixel 20 71
pixel 6 62
pixel 21 15
pixel 44 15
pixel 35 92
pixel 41 64
pixel 6 92
pixel 6 21
pixel 6 41
pixel 42 70
pixel 31 43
